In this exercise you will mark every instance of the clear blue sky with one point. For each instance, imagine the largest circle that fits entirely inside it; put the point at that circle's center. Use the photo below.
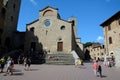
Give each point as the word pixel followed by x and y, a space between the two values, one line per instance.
pixel 89 13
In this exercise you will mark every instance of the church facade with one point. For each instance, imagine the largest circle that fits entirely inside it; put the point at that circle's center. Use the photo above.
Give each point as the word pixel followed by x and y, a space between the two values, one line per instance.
pixel 52 34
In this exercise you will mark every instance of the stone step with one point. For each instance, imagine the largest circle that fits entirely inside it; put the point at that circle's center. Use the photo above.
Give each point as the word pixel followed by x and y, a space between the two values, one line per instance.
pixel 59 58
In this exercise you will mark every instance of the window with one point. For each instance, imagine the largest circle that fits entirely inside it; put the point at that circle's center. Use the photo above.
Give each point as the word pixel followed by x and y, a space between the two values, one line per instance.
pixel 111 53
pixel 98 54
pixel 110 40
pixel 47 23
pixel 102 54
pixel 109 27
pixel 14 6
pixel 11 18
pixel 32 29
pixel 3 11
pixel 97 48
pixel 62 28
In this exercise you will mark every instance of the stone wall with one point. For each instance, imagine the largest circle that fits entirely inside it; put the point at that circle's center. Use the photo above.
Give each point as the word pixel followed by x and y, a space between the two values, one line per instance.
pixel 117 57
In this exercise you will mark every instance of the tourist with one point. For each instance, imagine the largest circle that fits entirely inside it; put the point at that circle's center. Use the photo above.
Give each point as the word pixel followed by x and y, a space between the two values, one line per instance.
pixel 11 66
pixel 19 59
pixel 27 63
pixel 2 61
pixel 80 63
pixel 100 70
pixel 95 66
pixel 8 63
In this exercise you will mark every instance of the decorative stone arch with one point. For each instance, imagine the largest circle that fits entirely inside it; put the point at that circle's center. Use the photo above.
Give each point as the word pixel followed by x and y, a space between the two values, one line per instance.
pixel 48 12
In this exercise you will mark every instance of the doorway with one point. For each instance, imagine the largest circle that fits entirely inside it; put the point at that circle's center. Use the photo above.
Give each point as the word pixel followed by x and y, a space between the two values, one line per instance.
pixel 33 45
pixel 60 46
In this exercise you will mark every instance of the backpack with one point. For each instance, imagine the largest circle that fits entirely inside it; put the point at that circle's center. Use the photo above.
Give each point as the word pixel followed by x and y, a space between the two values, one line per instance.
pixel 28 61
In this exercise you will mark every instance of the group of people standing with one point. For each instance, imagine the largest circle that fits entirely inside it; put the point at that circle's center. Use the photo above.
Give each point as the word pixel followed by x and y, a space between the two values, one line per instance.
pixel 26 61
pixel 9 63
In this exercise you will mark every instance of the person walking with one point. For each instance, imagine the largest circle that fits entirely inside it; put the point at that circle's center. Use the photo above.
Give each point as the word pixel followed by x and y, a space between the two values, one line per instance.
pixel 2 61
pixel 25 63
pixel 100 70
pixel 19 58
pixel 11 66
pixel 95 67
pixel 8 65
pixel 28 63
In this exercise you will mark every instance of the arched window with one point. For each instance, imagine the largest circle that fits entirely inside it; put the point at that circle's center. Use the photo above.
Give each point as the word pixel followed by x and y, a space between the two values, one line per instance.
pixel 110 40
pixel 14 6
pixel 32 29
pixel 11 18
pixel 3 11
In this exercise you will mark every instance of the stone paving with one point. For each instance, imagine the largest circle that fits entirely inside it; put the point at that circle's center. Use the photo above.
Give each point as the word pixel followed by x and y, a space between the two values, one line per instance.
pixel 61 72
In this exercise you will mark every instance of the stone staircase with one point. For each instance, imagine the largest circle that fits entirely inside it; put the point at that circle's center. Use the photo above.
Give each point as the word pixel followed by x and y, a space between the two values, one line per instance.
pixel 60 58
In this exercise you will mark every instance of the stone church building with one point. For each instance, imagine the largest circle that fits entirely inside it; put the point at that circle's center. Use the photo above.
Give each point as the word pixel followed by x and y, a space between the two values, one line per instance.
pixel 53 34
pixel 49 33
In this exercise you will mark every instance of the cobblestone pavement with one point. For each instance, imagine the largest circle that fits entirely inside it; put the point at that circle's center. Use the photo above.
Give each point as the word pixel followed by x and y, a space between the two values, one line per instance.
pixel 61 72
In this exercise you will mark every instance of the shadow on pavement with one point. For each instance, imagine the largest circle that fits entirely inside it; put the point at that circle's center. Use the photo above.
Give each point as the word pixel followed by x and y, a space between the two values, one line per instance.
pixel 34 69
pixel 16 70
pixel 103 76
pixel 18 74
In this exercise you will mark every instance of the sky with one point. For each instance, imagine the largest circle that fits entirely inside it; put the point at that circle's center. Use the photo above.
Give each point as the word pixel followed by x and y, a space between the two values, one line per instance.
pixel 89 13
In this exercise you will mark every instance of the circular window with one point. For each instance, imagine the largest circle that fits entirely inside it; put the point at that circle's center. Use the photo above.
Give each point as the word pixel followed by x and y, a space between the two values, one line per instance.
pixel 47 23
pixel 62 27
